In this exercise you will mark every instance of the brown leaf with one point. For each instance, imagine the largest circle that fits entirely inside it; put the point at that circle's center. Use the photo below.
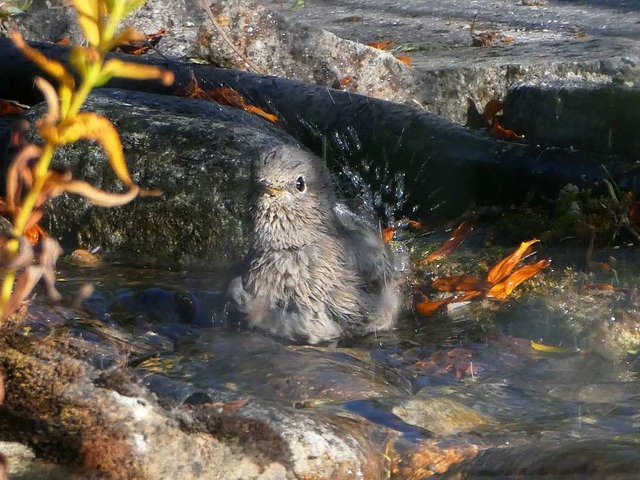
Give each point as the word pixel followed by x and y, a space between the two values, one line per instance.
pixel 501 133
pixel 404 59
pixel 64 40
pixel 20 171
pixel 491 109
pixel 224 96
pixel 387 234
pixel 506 265
pixel 460 283
pixel 503 289
pixel 22 288
pixel 10 108
pixel 381 45
pixel 452 243
pixel 141 47
pixel 100 197
pixel 344 81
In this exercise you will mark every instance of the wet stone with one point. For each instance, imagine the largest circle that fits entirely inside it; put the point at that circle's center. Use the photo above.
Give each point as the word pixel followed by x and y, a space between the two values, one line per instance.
pixel 441 416
pixel 600 118
pixel 198 154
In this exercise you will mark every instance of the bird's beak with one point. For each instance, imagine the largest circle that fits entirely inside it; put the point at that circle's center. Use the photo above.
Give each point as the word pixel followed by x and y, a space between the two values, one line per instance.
pixel 266 189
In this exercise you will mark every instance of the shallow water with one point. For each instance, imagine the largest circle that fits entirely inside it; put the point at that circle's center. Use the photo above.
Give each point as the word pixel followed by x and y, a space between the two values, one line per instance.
pixel 469 376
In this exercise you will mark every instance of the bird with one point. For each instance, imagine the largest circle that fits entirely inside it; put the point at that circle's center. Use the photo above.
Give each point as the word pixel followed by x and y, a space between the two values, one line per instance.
pixel 315 271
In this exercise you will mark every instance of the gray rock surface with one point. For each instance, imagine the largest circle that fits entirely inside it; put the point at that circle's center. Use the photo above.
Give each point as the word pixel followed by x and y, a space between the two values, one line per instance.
pixel 276 46
pixel 73 401
pixel 590 40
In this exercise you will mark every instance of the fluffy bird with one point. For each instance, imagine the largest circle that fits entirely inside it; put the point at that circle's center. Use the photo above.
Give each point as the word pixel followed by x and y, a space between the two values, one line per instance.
pixel 315 271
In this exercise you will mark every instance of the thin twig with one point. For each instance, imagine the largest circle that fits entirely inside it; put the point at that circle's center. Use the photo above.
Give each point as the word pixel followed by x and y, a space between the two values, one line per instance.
pixel 224 36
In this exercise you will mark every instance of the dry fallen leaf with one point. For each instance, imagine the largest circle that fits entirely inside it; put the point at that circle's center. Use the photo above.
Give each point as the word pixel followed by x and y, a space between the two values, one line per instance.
pixel 388 234
pixel 10 108
pixel 461 283
pixel 503 289
pixel 381 45
pixel 452 243
pixel 500 283
pixel 505 266
pixel 404 59
pixel 140 47
pixel 222 95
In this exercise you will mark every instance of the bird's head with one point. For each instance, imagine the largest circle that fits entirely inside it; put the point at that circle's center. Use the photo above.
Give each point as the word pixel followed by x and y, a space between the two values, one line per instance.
pixel 294 196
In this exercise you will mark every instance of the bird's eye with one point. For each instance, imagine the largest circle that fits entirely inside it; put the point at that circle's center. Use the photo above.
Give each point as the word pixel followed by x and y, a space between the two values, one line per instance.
pixel 300 185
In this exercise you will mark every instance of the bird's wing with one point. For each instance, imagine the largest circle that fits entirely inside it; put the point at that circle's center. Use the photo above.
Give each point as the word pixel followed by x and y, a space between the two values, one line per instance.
pixel 365 249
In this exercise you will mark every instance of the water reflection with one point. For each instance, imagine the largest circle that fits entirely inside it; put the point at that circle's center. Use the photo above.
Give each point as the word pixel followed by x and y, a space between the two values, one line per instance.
pixel 454 377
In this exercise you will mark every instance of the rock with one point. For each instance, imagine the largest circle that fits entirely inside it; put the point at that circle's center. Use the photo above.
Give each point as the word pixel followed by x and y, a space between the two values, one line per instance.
pixel 199 154
pixel 273 45
pixel 585 42
pixel 53 403
pixel 307 375
pixel 600 118
pixel 67 407
pixel 591 459
pixel 50 21
pixel 23 464
pixel 589 41
pixel 440 415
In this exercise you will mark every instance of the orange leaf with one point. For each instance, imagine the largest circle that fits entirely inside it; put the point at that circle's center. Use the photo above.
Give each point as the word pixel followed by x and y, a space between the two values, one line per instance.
pixel 506 265
pixel 427 308
pixel 460 283
pixel 138 46
pixel 490 110
pixel 387 234
pixel 34 234
pixel 228 96
pixel 453 242
pixel 65 40
pixel 404 59
pixel 466 296
pixel 9 108
pixel 415 224
pixel 344 81
pixel 381 45
pixel 502 290
pixel 261 113
pixel 501 133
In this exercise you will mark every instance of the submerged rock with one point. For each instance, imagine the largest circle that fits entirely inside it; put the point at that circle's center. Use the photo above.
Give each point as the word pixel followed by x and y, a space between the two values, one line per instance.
pixel 441 415
pixel 98 418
